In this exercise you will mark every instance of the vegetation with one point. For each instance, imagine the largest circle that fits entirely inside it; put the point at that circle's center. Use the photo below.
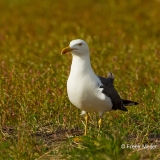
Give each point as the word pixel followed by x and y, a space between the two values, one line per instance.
pixel 37 121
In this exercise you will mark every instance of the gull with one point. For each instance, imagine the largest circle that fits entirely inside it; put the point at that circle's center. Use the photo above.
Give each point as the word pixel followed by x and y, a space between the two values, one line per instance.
pixel 86 90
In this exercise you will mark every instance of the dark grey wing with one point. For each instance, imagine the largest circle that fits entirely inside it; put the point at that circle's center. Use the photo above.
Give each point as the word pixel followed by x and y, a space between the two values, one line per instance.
pixel 107 81
pixel 109 90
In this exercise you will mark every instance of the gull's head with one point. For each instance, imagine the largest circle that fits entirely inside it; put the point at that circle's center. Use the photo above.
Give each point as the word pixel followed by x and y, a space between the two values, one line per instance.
pixel 77 47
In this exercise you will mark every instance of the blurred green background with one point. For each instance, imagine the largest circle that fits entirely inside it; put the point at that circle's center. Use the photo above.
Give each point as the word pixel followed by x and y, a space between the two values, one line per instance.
pixel 123 37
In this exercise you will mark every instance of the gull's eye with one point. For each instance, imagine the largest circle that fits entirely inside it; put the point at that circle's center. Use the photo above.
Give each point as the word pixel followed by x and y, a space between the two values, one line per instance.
pixel 80 44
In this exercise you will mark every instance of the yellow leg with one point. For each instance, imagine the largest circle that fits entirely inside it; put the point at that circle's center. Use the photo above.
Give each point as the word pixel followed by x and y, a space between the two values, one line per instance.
pixel 86 126
pixel 100 123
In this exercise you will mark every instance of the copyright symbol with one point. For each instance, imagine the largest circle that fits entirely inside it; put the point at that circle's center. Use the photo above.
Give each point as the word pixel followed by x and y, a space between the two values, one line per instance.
pixel 123 146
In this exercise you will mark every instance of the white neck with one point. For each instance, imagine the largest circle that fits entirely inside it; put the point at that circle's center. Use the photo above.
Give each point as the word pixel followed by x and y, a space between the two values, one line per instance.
pixel 80 65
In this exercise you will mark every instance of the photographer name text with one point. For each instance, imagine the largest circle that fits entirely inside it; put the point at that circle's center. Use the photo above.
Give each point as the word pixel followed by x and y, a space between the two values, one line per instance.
pixel 138 146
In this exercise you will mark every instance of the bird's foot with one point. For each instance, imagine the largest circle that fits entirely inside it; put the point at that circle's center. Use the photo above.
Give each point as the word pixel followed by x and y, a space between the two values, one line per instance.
pixel 77 139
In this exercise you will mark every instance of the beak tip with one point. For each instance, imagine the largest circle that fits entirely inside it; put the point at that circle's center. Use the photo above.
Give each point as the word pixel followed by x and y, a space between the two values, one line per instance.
pixel 65 50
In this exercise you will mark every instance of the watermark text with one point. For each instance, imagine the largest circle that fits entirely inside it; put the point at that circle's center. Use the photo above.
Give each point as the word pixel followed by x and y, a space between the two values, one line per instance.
pixel 138 146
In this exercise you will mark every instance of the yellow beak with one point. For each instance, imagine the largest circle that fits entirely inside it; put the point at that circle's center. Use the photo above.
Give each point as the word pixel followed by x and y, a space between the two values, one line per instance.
pixel 66 50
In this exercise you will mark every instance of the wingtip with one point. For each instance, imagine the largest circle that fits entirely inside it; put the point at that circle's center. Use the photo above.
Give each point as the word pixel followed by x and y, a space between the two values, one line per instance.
pixel 136 103
pixel 133 103
pixel 129 103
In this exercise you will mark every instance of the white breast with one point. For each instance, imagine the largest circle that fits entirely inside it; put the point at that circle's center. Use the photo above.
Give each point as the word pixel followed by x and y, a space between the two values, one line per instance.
pixel 84 92
pixel 83 87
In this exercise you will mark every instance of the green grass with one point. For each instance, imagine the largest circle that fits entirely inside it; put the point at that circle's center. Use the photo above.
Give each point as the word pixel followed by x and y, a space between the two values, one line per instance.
pixel 36 118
